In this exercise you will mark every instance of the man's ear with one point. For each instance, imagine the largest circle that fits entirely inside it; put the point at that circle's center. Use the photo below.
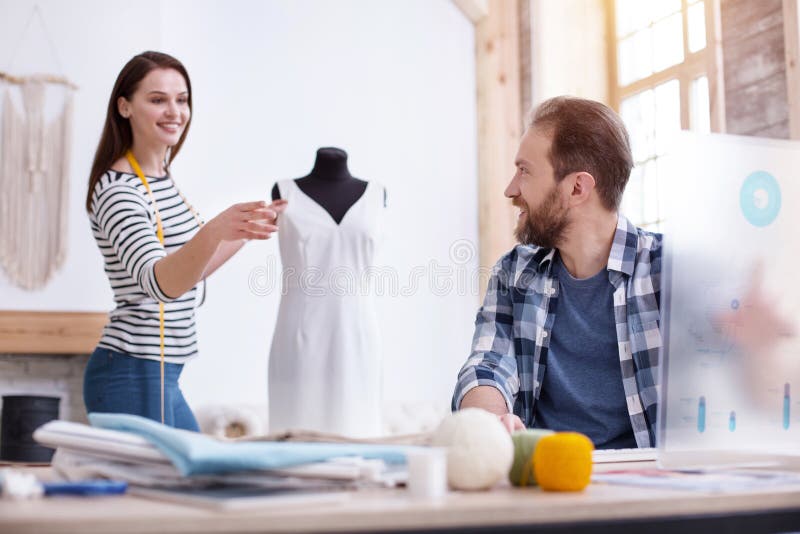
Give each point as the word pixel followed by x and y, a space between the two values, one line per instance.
pixel 123 106
pixel 583 184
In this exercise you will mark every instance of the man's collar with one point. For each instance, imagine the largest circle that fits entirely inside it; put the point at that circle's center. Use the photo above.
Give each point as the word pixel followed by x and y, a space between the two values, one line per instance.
pixel 621 258
pixel 624 247
pixel 544 258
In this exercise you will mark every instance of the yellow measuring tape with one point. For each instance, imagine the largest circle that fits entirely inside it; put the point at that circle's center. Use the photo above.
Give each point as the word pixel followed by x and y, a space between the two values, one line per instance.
pixel 160 234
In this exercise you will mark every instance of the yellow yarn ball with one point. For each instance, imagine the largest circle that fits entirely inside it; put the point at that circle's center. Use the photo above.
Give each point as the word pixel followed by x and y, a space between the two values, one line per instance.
pixel 563 461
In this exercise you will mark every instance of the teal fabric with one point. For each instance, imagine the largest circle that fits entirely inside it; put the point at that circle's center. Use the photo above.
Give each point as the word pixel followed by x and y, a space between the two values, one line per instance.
pixel 198 454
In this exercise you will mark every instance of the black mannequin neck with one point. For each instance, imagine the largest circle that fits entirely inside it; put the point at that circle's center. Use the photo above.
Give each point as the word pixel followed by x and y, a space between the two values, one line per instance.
pixel 330 184
pixel 331 164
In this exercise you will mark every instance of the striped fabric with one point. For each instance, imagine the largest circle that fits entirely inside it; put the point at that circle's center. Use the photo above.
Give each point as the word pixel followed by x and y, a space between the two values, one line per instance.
pixel 512 329
pixel 123 224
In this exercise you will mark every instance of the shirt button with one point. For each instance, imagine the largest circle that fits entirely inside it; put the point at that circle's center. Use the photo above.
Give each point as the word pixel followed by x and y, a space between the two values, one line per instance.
pixel 544 334
pixel 551 291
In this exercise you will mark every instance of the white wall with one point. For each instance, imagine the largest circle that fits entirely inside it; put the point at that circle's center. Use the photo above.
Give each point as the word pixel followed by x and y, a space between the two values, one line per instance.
pixel 90 50
pixel 569 49
pixel 391 82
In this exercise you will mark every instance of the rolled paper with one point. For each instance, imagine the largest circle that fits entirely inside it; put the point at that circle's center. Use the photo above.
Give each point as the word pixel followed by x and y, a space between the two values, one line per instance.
pixel 522 473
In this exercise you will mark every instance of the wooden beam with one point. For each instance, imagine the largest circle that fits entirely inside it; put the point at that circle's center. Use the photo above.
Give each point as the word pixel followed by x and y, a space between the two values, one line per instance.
pixel 29 332
pixel 557 49
pixel 614 98
pixel 791 39
pixel 685 80
pixel 499 124
pixel 716 72
pixel 525 59
pixel 474 10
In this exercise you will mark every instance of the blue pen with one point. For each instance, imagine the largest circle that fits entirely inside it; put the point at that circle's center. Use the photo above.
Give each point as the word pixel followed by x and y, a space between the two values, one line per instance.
pixel 86 487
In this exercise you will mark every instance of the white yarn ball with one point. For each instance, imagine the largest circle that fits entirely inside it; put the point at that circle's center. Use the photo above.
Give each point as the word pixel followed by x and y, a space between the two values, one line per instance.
pixel 479 449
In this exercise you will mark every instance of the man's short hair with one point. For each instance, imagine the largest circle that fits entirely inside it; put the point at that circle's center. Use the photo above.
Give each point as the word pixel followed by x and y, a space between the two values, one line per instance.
pixel 587 136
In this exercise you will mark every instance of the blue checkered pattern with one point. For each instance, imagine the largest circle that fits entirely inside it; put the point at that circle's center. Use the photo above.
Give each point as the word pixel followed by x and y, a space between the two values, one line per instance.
pixel 512 329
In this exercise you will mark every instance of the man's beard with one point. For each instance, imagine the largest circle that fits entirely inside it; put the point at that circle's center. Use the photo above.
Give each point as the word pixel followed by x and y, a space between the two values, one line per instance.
pixel 545 226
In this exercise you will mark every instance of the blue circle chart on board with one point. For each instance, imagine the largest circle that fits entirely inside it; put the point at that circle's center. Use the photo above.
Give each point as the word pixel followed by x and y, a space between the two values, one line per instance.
pixel 760 198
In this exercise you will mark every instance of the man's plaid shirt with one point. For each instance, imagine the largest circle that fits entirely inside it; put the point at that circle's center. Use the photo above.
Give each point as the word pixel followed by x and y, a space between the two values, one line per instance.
pixel 512 329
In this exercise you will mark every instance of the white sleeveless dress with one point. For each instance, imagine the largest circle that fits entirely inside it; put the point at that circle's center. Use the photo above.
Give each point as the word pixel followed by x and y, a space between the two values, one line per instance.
pixel 325 361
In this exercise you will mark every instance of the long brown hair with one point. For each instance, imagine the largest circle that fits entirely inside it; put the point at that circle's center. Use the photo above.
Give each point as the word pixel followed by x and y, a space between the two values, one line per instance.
pixel 117 137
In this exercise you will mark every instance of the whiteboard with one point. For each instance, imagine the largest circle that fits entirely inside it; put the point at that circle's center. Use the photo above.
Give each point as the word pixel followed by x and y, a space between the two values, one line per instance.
pixel 731 372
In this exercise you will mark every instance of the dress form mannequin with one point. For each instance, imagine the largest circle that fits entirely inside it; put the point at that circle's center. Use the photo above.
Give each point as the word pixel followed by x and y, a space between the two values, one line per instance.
pixel 330 183
pixel 325 364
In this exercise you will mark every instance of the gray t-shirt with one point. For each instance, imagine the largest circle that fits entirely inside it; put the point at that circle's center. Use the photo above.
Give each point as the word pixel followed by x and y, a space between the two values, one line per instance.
pixel 582 389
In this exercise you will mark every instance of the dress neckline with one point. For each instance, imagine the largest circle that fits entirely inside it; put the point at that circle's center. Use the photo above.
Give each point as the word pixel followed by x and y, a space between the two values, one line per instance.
pixel 327 213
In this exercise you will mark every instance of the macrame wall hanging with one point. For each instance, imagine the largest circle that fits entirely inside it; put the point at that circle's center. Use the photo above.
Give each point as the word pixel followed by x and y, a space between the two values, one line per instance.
pixel 34 175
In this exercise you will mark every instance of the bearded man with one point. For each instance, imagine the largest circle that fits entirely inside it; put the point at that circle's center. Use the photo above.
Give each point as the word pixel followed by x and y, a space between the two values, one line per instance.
pixel 568 335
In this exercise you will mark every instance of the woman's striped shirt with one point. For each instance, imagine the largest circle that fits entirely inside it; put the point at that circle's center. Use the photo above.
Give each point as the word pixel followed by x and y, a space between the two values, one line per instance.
pixel 124 225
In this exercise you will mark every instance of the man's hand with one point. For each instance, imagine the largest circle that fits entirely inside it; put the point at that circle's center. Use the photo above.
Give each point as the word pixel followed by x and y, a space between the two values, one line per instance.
pixel 511 422
pixel 490 399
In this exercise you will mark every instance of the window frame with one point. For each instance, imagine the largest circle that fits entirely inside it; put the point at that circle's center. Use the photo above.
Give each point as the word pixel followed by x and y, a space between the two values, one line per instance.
pixel 707 61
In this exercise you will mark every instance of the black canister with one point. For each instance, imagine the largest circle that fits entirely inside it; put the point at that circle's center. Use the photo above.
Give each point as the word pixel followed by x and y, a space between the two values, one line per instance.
pixel 22 414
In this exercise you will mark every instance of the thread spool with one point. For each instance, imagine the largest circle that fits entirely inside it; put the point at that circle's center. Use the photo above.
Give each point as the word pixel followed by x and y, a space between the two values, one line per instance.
pixel 427 472
pixel 522 472
pixel 22 415
pixel 563 461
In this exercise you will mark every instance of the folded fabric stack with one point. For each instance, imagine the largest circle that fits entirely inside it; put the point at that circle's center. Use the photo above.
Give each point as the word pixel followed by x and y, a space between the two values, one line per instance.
pixel 150 455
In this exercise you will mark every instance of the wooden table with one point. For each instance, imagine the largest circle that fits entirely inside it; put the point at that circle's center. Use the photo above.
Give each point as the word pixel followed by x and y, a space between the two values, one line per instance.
pixel 601 508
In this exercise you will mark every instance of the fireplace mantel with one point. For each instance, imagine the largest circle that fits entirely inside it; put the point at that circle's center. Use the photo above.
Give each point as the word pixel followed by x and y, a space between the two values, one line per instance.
pixel 32 332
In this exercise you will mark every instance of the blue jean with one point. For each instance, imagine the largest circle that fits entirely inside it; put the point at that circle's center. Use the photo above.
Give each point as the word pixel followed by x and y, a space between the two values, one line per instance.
pixel 115 382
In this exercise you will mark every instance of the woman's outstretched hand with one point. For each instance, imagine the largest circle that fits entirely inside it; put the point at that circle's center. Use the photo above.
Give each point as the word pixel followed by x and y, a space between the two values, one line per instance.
pixel 247 220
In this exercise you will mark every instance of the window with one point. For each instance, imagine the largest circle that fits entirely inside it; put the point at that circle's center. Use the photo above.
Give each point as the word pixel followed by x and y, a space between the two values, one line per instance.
pixel 665 53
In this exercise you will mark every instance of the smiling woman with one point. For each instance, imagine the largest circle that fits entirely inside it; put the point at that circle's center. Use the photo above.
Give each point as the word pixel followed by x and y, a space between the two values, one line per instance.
pixel 155 247
pixel 159 111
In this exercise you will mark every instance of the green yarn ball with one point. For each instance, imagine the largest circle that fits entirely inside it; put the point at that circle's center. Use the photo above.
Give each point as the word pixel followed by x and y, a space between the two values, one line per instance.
pixel 524 443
